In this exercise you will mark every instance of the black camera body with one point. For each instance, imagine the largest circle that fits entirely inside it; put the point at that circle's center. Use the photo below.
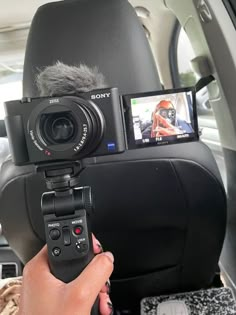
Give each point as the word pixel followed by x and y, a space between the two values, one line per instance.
pixel 99 122
pixel 65 128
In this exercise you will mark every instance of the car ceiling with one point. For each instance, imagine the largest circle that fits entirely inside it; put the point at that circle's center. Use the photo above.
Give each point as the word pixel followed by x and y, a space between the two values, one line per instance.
pixel 15 19
pixel 16 14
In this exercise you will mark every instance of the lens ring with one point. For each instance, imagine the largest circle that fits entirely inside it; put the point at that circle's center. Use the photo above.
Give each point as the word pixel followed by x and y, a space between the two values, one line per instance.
pixel 88 120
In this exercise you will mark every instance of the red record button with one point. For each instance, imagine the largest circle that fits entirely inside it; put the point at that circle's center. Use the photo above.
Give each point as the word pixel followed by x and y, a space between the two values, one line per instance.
pixel 78 230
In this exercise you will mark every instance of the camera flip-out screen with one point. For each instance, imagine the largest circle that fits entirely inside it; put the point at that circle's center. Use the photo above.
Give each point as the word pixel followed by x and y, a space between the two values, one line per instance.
pixel 164 117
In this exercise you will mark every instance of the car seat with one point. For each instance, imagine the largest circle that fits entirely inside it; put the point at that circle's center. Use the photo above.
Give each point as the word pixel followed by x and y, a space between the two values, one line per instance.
pixel 160 210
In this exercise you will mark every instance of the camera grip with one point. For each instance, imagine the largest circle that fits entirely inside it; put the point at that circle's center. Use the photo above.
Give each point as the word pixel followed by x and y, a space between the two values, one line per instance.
pixel 70 247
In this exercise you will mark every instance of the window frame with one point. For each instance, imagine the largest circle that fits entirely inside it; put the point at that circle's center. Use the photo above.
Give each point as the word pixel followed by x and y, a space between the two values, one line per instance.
pixel 173 55
pixel 231 8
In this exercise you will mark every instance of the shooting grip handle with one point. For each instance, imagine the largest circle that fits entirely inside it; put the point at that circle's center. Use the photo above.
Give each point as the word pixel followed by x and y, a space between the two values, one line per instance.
pixel 70 247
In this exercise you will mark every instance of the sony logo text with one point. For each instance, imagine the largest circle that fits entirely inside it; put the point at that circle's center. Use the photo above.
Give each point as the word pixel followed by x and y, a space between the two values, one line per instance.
pixel 99 96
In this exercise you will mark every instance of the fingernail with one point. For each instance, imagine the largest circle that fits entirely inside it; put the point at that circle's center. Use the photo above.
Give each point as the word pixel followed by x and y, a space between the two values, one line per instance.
pixel 100 247
pixel 110 307
pixel 108 285
pixel 110 255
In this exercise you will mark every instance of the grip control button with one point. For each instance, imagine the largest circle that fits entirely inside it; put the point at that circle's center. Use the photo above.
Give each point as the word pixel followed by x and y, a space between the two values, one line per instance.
pixel 54 234
pixel 81 247
pixel 66 236
pixel 78 230
pixel 56 251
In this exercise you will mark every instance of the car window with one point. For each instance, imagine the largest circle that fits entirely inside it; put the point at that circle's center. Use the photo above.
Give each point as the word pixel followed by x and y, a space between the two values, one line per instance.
pixel 12 50
pixel 10 82
pixel 185 53
pixel 209 133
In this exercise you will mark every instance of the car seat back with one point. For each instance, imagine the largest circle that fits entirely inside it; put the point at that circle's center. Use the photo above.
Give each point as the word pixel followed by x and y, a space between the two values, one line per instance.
pixel 160 210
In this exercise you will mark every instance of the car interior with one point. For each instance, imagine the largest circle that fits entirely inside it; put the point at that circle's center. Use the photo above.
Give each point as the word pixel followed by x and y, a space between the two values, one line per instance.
pixel 166 212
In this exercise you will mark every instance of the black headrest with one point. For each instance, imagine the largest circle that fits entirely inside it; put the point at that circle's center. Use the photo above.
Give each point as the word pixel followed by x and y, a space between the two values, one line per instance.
pixel 104 33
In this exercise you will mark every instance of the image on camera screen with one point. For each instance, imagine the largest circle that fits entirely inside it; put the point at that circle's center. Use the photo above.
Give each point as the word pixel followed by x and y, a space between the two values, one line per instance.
pixel 163 119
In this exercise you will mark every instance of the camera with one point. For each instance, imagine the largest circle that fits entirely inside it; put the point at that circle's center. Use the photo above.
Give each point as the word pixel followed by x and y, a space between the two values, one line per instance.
pixel 65 128
pixel 99 122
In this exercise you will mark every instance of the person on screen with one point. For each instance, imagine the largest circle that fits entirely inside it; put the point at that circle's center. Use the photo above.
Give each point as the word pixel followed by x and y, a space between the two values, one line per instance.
pixel 165 121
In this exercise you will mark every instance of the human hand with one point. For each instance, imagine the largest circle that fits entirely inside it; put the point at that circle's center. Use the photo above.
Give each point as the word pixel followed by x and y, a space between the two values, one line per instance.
pixel 160 131
pixel 42 293
pixel 165 128
pixel 163 122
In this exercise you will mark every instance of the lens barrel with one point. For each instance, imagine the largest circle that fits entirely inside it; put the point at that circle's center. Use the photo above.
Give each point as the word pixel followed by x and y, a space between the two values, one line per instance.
pixel 66 127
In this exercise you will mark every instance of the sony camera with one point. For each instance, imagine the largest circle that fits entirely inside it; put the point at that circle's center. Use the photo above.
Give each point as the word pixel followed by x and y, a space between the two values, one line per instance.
pixel 65 128
pixel 99 122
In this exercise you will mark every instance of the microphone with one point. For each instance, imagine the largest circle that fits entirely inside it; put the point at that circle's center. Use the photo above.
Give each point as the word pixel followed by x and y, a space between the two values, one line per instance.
pixel 61 79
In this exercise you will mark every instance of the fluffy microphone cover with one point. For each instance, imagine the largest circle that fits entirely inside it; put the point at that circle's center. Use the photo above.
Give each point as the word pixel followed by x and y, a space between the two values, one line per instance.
pixel 61 79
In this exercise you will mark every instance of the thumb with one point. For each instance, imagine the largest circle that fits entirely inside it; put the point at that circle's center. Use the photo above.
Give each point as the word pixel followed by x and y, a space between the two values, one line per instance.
pixel 89 283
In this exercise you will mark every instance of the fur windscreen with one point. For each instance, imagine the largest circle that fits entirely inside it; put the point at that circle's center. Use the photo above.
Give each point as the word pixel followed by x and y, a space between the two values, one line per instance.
pixel 61 79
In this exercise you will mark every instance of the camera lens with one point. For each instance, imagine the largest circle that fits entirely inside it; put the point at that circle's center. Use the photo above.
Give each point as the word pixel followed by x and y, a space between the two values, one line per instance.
pixel 68 127
pixel 62 129
pixel 58 128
